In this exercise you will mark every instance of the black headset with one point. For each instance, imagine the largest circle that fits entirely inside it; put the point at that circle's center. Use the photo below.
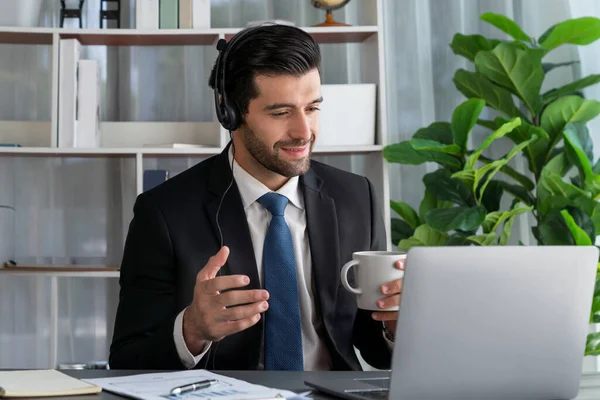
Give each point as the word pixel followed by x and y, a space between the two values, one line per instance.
pixel 227 112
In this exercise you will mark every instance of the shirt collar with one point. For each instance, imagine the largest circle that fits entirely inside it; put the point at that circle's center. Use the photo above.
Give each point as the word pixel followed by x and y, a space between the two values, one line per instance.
pixel 251 189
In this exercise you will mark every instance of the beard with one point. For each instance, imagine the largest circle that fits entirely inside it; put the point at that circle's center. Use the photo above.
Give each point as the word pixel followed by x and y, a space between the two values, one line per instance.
pixel 271 159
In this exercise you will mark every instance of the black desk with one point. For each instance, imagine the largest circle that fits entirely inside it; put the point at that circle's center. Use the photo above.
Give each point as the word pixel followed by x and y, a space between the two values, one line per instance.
pixel 293 381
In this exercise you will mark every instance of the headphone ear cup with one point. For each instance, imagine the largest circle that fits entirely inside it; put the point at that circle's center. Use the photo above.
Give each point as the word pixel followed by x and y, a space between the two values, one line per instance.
pixel 231 116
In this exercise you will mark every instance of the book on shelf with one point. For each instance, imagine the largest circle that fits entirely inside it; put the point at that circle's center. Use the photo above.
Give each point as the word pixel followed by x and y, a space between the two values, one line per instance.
pixel 185 14
pixel 78 98
pixel 168 14
pixel 69 53
pixel 147 14
pixel 88 105
pixel 154 177
pixel 172 14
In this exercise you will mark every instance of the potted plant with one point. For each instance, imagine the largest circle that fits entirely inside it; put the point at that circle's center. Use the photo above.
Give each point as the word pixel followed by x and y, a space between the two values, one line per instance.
pixel 462 200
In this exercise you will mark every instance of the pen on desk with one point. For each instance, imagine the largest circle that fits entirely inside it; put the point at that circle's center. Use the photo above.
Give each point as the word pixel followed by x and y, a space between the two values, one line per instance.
pixel 192 386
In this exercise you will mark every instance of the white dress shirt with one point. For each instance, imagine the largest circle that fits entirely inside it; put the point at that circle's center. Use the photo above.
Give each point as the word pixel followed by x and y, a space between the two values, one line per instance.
pixel 316 356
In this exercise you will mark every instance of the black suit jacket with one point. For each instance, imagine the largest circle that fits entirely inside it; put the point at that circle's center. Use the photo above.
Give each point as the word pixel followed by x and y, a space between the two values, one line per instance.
pixel 174 232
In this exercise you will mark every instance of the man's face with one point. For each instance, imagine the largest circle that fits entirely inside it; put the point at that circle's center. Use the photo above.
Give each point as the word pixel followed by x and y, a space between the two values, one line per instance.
pixel 282 123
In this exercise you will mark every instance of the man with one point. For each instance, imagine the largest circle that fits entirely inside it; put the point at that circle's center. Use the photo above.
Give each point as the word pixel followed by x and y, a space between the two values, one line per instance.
pixel 235 263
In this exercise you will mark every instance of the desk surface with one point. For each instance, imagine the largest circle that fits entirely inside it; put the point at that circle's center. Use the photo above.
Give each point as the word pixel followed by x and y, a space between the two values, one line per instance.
pixel 294 381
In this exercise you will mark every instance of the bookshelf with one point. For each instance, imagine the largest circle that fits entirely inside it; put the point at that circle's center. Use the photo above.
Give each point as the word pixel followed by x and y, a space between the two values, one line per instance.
pixel 122 151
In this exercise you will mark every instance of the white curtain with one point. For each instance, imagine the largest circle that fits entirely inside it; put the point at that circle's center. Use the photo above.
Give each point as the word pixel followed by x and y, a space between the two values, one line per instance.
pixel 60 203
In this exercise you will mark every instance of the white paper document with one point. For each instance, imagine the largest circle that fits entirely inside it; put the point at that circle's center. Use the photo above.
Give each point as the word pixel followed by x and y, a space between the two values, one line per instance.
pixel 158 386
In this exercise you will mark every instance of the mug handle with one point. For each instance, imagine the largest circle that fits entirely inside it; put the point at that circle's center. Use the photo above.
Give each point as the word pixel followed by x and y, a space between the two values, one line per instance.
pixel 344 276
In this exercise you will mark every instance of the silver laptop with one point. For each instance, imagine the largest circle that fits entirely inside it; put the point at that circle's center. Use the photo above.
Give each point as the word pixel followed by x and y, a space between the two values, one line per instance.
pixel 486 323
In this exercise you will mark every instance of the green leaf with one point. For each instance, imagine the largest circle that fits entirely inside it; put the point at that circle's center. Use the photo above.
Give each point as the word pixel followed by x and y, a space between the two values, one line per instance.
pixel 516 70
pixel 444 187
pixel 495 166
pixel 592 345
pixel 459 218
pixel 575 152
pixel 469 45
pixel 519 192
pixel 430 236
pixel 506 25
pixel 567 109
pixel 458 239
pixel 514 174
pixel 570 88
pixel 553 230
pixel 500 132
pixel 581 238
pixel 581 31
pixel 553 193
pixel 493 220
pixel 424 236
pixel 428 202
pixel 400 230
pixel 406 244
pixel 406 153
pixel 595 313
pixel 464 118
pixel 491 125
pixel 488 239
pixel 406 212
pixel 467 177
pixel 522 133
pixel 558 165
pixel 558 114
pixel 424 145
pixel 596 168
pixel 547 67
pixel 438 131
pixel 506 230
pixel 476 85
pixel 493 195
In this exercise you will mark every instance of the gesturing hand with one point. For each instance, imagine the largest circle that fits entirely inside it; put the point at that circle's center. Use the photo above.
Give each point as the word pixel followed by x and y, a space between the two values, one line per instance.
pixel 212 315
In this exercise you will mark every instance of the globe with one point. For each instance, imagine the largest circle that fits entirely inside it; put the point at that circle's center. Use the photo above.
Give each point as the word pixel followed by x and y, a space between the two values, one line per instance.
pixel 329 5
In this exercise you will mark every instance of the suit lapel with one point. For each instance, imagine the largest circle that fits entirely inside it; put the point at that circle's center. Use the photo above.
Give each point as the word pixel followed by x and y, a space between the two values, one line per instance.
pixel 232 220
pixel 322 225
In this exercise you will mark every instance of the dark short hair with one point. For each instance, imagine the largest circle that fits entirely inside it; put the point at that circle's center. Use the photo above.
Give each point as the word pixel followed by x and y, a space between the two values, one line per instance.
pixel 269 50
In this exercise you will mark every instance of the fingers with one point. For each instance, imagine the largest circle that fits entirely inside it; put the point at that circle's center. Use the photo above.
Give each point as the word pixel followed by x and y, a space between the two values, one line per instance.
pixel 388 302
pixel 392 287
pixel 400 264
pixel 237 297
pixel 385 315
pixel 232 327
pixel 222 283
pixel 214 264
pixel 242 312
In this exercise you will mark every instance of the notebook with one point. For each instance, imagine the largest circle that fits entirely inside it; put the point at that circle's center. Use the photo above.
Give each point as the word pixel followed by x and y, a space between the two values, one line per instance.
pixel 42 383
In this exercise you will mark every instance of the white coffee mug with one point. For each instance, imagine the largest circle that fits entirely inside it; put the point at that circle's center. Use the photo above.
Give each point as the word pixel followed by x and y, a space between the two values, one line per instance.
pixel 374 268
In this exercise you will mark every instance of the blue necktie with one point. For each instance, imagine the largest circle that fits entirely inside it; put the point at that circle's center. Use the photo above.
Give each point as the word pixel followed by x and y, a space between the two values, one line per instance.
pixel 283 332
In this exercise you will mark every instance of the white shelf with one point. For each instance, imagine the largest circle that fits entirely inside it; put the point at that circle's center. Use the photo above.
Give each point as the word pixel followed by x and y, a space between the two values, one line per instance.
pixel 63 274
pixel 167 37
pixel 167 152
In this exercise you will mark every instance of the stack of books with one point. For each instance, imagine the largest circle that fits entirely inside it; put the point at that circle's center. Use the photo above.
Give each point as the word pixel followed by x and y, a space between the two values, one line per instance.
pixel 172 14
